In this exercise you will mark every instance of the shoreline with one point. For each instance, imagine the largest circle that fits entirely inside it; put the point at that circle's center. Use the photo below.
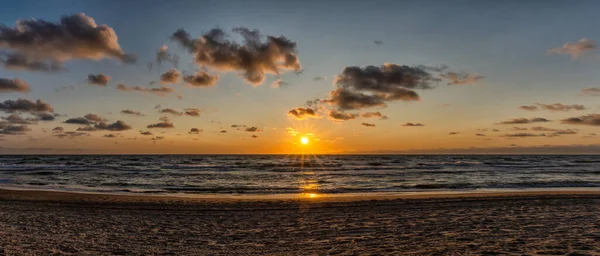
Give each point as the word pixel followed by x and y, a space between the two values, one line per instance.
pixel 18 194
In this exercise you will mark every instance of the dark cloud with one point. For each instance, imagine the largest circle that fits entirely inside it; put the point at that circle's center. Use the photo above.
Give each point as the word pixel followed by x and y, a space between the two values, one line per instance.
pixel 116 126
pixel 480 134
pixel 17 119
pixel 99 79
pixel 201 79
pixel 11 129
pixel 163 55
pixel 58 129
pixel 461 78
pixel 170 111
pixel 162 91
pixel 95 118
pixel 575 50
pixel 195 131
pixel 519 128
pixel 172 76
pixel 163 124
pixel 131 112
pixel 525 120
pixel 524 134
pixel 79 120
pixel 146 133
pixel 302 113
pixel 254 136
pixel 192 112
pixel 238 126
pixel 413 124
pixel 72 135
pixel 453 133
pixel 25 105
pixel 378 42
pixel 253 129
pixel 368 125
pixel 110 135
pixel 374 114
pixel 554 107
pixel 590 119
pixel 341 116
pixel 223 131
pixel 44 116
pixel 373 86
pixel 253 59
pixel 18 61
pixel 74 37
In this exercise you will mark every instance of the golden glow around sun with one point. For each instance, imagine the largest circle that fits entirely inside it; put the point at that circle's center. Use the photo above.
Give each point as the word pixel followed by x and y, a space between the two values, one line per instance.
pixel 304 140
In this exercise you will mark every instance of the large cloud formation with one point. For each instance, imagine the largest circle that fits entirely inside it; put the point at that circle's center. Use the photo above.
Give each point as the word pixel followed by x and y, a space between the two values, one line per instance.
pixel 303 113
pixel 574 49
pixel 590 119
pixel 13 85
pixel 253 58
pixel 25 106
pixel 75 36
pixel 553 107
pixel 525 120
pixel 162 91
pixel 373 86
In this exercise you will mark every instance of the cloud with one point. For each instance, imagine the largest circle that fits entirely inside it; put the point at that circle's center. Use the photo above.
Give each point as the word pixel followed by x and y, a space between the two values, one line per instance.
pixel 303 113
pixel 116 126
pixel 79 120
pixel 223 131
pixel 523 134
pixel 25 105
pixel 292 131
pixel 14 85
pixel 131 112
pixel 480 134
pixel 278 83
pixel 378 42
pixel 95 122
pixel 453 133
pixel 254 136
pixel 72 135
pixel 461 78
pixel 171 111
pixel 146 133
pixel 75 36
pixel 238 126
pixel 368 125
pixel 591 91
pixel 99 79
pixel 553 107
pixel 195 131
pixel 95 118
pixel 158 138
pixel 590 119
pixel 17 119
pixel 574 49
pixel 374 114
pixel 413 124
pixel 373 86
pixel 192 112
pixel 110 135
pixel 162 91
pixel 164 124
pixel 58 129
pixel 201 79
pixel 18 61
pixel 253 129
pixel 163 55
pixel 319 78
pixel 172 76
pixel 525 120
pixel 253 58
pixel 11 129
pixel 341 116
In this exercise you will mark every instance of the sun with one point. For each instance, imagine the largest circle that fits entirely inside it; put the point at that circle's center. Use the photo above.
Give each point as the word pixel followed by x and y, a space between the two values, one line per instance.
pixel 304 140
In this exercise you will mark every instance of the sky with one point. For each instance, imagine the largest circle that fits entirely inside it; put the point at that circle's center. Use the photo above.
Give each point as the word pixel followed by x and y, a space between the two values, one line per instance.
pixel 254 77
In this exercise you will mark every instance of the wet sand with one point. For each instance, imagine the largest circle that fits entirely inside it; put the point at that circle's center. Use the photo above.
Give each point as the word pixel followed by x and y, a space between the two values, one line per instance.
pixel 545 223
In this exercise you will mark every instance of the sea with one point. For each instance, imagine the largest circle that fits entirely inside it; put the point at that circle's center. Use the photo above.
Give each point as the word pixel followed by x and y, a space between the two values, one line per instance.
pixel 295 174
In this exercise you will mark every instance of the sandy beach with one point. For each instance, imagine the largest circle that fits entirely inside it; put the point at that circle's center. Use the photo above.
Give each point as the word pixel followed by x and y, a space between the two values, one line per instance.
pixel 545 223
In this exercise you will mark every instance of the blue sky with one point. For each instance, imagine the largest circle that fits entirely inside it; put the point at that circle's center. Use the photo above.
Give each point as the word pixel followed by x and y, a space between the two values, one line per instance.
pixel 504 41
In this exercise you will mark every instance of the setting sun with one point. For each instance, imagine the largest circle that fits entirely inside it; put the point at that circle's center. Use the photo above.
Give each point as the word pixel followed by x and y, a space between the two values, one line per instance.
pixel 304 140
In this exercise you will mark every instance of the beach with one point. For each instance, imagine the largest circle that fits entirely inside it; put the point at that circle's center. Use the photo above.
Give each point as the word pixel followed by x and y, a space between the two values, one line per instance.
pixel 517 223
